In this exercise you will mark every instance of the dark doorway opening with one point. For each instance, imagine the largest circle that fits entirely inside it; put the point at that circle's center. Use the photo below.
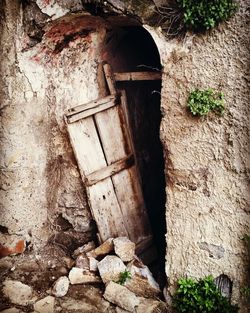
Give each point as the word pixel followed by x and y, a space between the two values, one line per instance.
pixel 132 49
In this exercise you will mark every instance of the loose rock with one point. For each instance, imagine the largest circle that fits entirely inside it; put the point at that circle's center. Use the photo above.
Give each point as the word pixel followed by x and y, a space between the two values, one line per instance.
pixel 11 245
pixel 151 306
pixel 93 264
pixel 82 261
pixel 124 248
pixel 142 282
pixel 45 305
pixel 84 249
pixel 110 268
pixel 11 310
pixel 17 292
pixel 61 287
pixel 81 276
pixel 121 296
pixel 103 249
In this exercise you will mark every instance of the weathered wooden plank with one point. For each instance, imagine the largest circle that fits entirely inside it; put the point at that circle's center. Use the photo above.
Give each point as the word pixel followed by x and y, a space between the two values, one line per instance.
pixel 90 105
pixel 127 187
pixel 102 198
pixel 91 111
pixel 127 76
pixel 110 170
pixel 102 84
pixel 110 78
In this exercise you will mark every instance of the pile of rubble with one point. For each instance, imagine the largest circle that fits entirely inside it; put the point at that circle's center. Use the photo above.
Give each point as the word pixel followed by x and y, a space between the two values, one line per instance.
pixel 129 284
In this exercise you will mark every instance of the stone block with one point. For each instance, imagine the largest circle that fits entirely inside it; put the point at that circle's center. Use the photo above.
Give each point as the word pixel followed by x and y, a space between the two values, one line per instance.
pixel 142 282
pixel 110 268
pixel 61 287
pixel 81 276
pixel 103 249
pixel 124 248
pixel 121 296
pixel 17 292
pixel 45 305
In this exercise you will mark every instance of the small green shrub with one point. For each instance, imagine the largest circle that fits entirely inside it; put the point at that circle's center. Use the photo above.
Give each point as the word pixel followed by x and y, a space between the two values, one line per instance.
pixel 206 14
pixel 201 297
pixel 201 102
pixel 124 276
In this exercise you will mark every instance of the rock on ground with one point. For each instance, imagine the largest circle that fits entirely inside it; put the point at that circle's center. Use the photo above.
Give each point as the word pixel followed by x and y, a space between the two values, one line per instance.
pixel 82 261
pixel 93 264
pixel 124 248
pixel 151 306
pixel 110 268
pixel 17 292
pixel 103 249
pixel 11 245
pixel 121 296
pixel 61 287
pixel 84 249
pixel 142 282
pixel 45 305
pixel 81 276
pixel 11 310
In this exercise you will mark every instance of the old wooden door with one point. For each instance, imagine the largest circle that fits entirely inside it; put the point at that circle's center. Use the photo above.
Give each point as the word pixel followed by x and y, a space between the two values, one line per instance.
pixel 101 140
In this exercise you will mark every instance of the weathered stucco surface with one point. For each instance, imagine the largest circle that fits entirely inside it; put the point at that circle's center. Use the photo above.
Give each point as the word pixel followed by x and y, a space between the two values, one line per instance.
pixel 40 179
pixel 50 65
pixel 208 160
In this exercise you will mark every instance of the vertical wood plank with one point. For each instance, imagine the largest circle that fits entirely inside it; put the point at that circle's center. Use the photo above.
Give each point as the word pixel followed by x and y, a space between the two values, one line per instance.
pixel 102 198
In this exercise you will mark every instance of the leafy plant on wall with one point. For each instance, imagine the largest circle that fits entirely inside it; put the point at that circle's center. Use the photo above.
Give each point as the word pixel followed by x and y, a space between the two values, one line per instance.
pixel 201 102
pixel 205 14
pixel 201 296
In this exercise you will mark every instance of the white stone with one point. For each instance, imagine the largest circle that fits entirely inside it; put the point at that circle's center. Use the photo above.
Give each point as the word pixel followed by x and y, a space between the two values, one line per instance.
pixel 124 248
pixel 81 276
pixel 93 264
pixel 121 296
pixel 110 268
pixel 45 305
pixel 11 310
pixel 17 292
pixel 61 287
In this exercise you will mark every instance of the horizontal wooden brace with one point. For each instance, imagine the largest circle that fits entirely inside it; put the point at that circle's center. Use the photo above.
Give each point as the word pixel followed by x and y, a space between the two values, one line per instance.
pixel 110 170
pixel 92 108
pixel 127 76
pixel 90 105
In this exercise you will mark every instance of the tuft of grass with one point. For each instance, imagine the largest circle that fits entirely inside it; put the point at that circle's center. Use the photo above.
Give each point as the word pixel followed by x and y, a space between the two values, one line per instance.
pixel 124 276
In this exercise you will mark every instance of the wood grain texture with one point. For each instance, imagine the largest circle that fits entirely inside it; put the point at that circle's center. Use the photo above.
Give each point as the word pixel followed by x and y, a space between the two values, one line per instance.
pixel 134 76
pixel 102 198
pixel 110 170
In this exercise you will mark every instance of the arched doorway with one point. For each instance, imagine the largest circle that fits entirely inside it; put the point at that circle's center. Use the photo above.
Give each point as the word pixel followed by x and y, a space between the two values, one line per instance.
pixel 132 49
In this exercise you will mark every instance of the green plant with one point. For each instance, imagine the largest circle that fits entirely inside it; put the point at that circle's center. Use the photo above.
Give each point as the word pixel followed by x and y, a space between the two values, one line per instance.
pixel 124 276
pixel 246 291
pixel 201 102
pixel 201 296
pixel 206 14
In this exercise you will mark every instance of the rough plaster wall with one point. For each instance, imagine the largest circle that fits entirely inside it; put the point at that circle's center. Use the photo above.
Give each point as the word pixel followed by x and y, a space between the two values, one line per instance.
pixel 208 160
pixel 41 80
